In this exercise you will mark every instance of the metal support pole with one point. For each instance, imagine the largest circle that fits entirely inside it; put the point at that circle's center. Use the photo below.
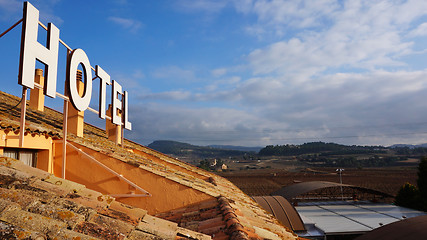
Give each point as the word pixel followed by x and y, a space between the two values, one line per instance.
pixel 65 129
pixel 122 135
pixel 117 136
pixel 342 194
pixel 340 172
pixel 64 138
pixel 14 25
pixel 23 112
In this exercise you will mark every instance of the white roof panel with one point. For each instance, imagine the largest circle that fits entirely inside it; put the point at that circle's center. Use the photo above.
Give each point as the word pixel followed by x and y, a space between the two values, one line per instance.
pixel 362 216
pixel 348 218
pixel 330 222
pixel 392 210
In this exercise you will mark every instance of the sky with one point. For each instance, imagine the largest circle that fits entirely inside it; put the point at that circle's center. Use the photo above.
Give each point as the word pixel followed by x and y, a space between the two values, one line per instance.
pixel 247 72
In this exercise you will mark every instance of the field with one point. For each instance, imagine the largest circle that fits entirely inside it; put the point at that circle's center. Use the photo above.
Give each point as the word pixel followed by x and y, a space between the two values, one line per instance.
pixel 256 182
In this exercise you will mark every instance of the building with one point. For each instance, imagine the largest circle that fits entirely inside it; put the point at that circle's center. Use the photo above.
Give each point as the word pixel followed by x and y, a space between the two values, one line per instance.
pixel 327 210
pixel 128 175
pixel 349 219
pixel 62 178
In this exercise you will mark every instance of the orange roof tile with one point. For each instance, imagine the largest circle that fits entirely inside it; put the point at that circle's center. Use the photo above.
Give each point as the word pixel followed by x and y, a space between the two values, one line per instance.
pixel 34 204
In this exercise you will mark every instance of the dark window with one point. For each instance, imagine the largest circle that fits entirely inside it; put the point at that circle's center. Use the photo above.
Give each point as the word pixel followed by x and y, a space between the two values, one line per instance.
pixel 27 156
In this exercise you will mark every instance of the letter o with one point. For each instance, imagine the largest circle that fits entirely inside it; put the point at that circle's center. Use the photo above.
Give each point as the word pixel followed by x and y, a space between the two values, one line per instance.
pixel 79 56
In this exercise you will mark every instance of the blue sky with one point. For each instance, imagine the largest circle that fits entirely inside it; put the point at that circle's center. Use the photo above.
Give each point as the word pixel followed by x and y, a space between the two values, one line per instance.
pixel 248 72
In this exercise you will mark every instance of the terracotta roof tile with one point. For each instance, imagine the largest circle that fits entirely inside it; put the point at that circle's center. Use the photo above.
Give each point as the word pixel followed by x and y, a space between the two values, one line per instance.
pixel 23 200
pixel 10 231
pixel 156 226
pixel 74 207
pixel 124 212
pixel 52 208
pixel 112 224
pixel 96 230
pixel 52 211
pixel 69 234
pixel 31 221
pixel 49 188
pixel 187 234
pixel 137 234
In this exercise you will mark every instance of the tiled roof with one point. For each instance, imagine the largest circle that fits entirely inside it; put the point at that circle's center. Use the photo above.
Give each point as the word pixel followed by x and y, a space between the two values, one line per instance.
pixel 37 205
pixel 214 217
pixel 249 220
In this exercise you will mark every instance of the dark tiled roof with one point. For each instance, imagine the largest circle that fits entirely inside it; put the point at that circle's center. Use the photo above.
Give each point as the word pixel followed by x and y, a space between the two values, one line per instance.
pixel 232 214
pixel 411 228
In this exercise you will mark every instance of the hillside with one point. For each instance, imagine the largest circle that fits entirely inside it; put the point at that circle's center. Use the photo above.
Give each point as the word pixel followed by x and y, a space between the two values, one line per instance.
pixel 186 150
pixel 237 148
pixel 313 154
pixel 324 149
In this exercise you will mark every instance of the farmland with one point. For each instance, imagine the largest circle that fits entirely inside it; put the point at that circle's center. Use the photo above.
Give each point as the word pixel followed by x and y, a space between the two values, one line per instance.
pixel 255 182
pixel 384 169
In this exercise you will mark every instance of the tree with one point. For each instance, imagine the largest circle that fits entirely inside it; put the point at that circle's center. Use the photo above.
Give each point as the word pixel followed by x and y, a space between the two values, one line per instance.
pixel 408 196
pixel 422 182
pixel 412 197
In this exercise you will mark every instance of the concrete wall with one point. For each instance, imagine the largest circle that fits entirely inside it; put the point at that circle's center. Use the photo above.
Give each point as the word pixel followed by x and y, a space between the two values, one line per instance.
pixel 171 165
pixel 43 143
pixel 166 194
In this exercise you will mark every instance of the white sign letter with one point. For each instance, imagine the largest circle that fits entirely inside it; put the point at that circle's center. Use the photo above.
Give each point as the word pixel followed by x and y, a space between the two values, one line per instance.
pixel 79 56
pixel 104 79
pixel 128 125
pixel 32 50
pixel 117 104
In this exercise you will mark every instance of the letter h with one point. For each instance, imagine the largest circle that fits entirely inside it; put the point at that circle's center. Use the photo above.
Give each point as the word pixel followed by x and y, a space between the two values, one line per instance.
pixel 32 50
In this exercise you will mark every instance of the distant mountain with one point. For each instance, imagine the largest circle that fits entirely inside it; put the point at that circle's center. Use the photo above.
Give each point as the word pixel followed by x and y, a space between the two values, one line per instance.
pixel 402 146
pixel 410 146
pixel 237 148
pixel 169 147
pixel 193 151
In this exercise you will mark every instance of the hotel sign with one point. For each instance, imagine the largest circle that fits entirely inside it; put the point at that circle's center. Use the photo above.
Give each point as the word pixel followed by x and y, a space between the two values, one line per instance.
pixel 32 50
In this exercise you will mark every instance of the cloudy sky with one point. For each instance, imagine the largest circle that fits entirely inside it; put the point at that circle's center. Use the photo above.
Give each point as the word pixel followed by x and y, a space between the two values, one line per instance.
pixel 248 72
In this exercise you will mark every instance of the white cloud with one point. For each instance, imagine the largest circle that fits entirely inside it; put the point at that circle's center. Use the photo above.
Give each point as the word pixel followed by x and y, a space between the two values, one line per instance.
pixel 170 95
pixel 173 72
pixel 219 72
pixel 363 35
pixel 121 2
pixel 12 9
pixel 280 15
pixel 224 83
pixel 370 108
pixel 131 80
pixel 138 74
pixel 129 24
pixel 301 14
pixel 195 125
pixel 10 5
pixel 208 6
pixel 421 30
pixel 244 6
pixel 340 77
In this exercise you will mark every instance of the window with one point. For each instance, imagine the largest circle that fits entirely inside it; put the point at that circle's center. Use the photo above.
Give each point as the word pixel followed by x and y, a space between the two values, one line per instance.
pixel 27 156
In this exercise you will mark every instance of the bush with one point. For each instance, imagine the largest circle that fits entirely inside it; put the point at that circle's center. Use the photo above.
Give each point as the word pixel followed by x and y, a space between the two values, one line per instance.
pixel 422 183
pixel 412 197
pixel 408 196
